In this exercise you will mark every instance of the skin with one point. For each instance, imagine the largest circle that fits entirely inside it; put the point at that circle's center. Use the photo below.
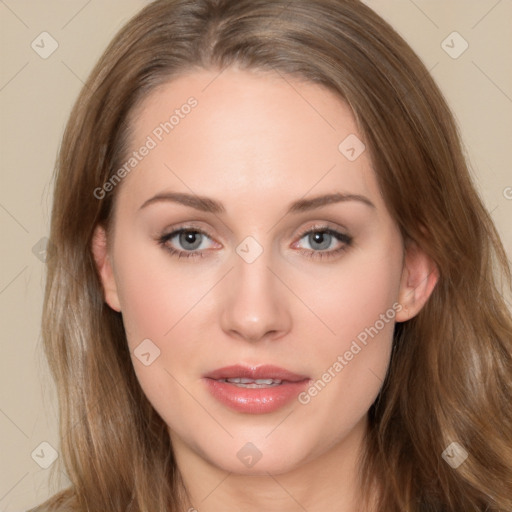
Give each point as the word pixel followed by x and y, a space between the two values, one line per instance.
pixel 257 142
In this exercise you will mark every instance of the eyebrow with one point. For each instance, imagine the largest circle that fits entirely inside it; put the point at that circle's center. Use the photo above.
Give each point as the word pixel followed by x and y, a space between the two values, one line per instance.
pixel 206 204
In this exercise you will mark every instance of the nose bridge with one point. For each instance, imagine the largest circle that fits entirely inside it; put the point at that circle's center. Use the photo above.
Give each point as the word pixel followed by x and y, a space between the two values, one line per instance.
pixel 255 305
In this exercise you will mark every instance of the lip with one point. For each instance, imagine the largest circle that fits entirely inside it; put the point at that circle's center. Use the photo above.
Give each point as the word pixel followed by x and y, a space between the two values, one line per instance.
pixel 255 400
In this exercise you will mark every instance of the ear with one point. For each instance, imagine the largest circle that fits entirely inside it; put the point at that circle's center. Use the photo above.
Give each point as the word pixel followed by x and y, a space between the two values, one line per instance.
pixel 104 267
pixel 419 277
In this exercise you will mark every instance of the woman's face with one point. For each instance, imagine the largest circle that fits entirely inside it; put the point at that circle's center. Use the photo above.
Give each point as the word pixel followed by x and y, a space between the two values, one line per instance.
pixel 289 258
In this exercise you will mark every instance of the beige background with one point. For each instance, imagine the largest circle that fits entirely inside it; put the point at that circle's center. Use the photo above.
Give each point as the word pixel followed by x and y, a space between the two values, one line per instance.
pixel 36 95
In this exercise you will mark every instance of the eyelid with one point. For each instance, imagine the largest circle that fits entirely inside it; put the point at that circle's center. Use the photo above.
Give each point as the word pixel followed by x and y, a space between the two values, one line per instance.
pixel 186 226
pixel 325 227
pixel 319 226
pixel 194 226
pixel 175 231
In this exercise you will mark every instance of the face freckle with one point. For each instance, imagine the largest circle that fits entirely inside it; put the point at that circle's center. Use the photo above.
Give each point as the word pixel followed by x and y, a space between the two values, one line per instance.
pixel 260 180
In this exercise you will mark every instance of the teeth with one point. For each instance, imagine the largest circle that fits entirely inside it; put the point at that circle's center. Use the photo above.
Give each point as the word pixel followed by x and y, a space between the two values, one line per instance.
pixel 266 381
pixel 252 383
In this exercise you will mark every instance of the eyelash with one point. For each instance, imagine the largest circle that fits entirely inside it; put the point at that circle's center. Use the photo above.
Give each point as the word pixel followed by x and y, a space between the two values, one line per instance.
pixel 309 253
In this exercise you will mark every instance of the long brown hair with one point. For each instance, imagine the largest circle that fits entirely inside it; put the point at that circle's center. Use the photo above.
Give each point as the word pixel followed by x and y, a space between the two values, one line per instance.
pixel 450 378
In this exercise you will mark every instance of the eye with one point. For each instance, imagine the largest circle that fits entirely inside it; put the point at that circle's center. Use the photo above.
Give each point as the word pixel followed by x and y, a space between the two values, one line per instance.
pixel 190 242
pixel 324 242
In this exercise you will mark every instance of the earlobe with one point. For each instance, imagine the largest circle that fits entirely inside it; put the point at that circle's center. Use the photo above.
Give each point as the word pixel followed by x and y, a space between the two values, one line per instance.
pixel 419 278
pixel 104 267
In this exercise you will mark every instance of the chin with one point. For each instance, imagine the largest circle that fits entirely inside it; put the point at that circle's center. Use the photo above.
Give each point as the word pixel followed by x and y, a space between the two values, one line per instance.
pixel 258 457
pixel 275 464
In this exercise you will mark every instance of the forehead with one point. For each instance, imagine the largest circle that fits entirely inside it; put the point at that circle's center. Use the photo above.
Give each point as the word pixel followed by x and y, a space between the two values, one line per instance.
pixel 245 136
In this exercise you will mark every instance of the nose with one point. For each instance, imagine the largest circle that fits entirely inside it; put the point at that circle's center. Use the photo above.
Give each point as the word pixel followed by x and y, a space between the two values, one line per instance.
pixel 255 304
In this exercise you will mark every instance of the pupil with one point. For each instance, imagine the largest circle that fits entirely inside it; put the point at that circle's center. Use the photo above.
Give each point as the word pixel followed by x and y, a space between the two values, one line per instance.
pixel 322 239
pixel 189 239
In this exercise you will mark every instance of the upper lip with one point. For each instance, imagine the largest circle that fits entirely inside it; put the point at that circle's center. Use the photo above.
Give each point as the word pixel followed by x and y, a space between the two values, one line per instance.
pixel 264 371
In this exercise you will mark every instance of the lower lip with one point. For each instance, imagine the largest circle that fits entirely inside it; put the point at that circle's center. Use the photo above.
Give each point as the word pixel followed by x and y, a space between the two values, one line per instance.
pixel 255 400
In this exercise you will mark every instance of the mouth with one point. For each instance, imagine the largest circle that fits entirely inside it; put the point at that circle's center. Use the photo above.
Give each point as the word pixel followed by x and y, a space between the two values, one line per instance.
pixel 254 390
pixel 264 374
pixel 252 384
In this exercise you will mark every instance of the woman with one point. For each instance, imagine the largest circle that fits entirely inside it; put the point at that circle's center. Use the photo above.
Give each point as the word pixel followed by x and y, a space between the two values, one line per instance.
pixel 271 284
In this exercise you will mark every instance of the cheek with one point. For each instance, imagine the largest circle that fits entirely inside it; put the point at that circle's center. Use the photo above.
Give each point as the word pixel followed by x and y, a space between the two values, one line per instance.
pixel 155 291
pixel 359 304
pixel 162 302
pixel 157 302
pixel 352 296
